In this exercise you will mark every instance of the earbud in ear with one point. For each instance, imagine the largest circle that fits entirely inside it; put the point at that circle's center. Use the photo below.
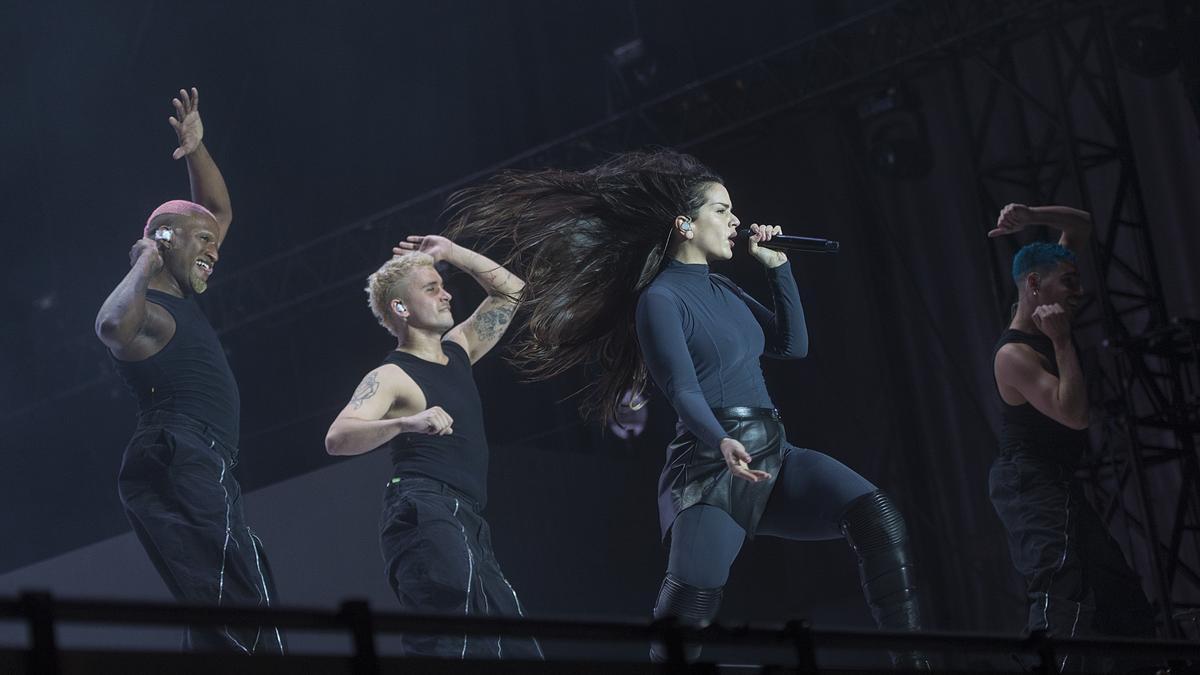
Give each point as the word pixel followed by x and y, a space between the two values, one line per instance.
pixel 399 307
pixel 686 225
pixel 163 234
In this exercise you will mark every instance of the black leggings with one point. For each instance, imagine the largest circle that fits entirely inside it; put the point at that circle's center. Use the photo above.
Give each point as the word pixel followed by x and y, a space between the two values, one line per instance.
pixel 810 495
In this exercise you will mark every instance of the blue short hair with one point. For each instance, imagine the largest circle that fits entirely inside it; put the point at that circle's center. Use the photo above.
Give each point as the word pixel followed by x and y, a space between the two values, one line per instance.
pixel 1040 256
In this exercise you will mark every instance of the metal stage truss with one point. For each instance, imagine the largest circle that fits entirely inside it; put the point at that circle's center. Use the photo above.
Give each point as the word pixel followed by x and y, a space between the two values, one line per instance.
pixel 1046 125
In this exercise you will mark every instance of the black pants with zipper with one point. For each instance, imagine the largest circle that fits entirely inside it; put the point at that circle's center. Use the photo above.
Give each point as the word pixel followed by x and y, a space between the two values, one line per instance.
pixel 437 553
pixel 1077 580
pixel 177 486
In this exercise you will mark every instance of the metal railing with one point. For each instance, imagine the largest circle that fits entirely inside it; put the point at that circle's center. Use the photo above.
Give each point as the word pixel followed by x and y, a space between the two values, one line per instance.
pixel 43 612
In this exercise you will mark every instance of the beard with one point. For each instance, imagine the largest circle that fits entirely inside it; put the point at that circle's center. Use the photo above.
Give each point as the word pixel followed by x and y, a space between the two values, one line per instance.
pixel 198 283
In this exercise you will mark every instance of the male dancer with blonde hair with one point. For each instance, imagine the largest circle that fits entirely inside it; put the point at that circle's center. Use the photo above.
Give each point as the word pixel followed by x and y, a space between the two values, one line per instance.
pixel 422 403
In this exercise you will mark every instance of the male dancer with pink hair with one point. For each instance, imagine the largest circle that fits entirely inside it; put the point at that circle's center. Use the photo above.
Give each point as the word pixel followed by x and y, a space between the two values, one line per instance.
pixel 176 481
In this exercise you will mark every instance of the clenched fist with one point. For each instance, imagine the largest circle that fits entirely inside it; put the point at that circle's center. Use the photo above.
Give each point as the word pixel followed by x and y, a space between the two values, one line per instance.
pixel 434 422
pixel 1053 321
pixel 147 250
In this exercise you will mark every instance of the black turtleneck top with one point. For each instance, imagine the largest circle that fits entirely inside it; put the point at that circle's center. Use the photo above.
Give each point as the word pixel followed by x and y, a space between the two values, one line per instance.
pixel 702 337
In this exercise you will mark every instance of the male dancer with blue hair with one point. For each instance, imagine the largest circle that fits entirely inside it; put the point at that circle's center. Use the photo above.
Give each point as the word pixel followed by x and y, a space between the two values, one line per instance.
pixel 1076 577
pixel 176 479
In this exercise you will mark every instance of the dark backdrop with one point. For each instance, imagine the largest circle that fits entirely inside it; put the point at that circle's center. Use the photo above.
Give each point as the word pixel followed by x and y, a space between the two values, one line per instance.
pixel 322 114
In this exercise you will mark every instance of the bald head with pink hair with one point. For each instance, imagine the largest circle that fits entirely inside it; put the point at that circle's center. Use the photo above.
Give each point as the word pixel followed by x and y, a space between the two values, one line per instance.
pixel 178 207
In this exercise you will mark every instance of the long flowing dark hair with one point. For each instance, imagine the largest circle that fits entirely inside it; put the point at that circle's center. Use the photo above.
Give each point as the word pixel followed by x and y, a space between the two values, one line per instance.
pixel 586 243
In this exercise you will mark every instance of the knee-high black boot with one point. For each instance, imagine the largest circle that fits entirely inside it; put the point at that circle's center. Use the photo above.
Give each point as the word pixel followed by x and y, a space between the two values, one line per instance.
pixel 690 606
pixel 876 531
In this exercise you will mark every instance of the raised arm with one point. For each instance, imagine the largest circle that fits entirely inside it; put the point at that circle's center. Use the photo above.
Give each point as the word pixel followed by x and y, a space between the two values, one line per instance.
pixel 1019 371
pixel 785 328
pixel 208 186
pixel 484 328
pixel 363 426
pixel 1075 225
pixel 130 327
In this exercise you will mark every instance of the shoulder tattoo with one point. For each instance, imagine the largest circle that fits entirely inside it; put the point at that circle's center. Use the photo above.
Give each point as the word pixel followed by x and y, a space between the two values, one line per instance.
pixel 492 323
pixel 366 389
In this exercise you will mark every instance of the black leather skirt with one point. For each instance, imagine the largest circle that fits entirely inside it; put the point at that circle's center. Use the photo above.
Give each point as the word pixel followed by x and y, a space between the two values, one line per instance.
pixel 696 473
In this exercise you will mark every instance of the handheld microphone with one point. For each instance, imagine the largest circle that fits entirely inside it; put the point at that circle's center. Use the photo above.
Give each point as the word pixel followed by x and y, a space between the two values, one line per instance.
pixel 791 242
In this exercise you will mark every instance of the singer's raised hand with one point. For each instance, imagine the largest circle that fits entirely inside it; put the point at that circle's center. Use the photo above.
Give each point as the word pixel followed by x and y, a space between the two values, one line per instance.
pixel 764 233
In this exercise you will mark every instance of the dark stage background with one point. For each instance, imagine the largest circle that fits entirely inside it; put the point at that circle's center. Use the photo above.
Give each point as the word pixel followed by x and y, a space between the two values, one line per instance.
pixel 322 114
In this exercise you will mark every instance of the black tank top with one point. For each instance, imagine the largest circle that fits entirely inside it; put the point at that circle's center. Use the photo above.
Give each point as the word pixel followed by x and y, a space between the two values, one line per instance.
pixel 1025 430
pixel 190 375
pixel 460 459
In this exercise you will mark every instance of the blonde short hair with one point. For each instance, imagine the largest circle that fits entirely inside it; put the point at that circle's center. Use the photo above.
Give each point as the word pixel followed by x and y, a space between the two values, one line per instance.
pixel 382 285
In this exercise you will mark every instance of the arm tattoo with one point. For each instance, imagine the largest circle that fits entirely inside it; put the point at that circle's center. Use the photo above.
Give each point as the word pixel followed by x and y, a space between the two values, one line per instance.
pixel 366 389
pixel 491 324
